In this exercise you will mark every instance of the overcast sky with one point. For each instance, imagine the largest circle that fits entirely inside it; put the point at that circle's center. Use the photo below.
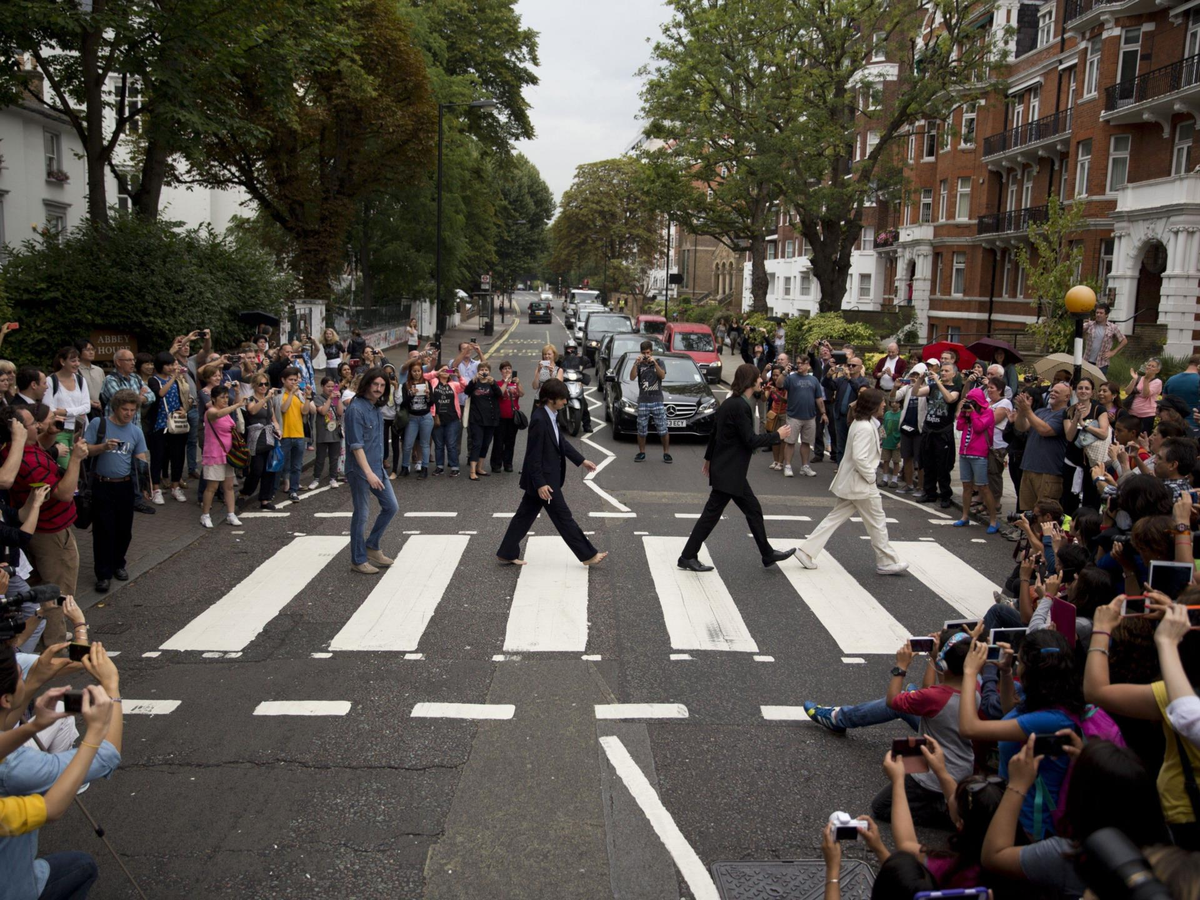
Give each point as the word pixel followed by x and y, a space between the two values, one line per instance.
pixel 586 105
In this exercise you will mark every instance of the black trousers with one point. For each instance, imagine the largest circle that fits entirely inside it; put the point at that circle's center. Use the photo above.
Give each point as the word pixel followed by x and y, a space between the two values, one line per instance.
pixel 937 460
pixel 167 452
pixel 717 501
pixel 480 441
pixel 560 517
pixel 818 448
pixel 505 444
pixel 112 526
pixel 257 476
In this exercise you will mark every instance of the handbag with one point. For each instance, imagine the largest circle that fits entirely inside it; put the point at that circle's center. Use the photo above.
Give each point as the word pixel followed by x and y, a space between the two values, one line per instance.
pixel 275 458
pixel 520 420
pixel 177 423
pixel 84 512
pixel 239 453
pixel 772 422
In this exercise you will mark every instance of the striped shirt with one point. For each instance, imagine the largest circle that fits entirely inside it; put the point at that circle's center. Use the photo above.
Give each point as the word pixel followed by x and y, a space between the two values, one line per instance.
pixel 38 466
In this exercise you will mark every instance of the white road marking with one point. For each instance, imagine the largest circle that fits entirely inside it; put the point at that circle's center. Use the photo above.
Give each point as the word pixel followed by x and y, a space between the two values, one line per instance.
pixel 240 616
pixel 924 507
pixel 641 711
pixel 149 707
pixel 949 577
pixel 468 532
pixel 112 653
pixel 854 660
pixel 785 714
pixel 613 515
pixel 640 533
pixel 264 515
pixel 591 657
pixel 152 654
pixel 549 609
pixel 599 468
pixel 504 657
pixel 607 496
pixel 302 708
pixel 430 515
pixel 333 515
pixel 787 518
pixel 764 658
pixel 978 541
pixel 508 515
pixel 686 859
pixel 321 655
pixel 587 440
pixel 697 608
pixel 889 521
pixel 693 516
pixel 395 614
pixel 463 711
pixel 676 656
pixel 414 655
pixel 847 610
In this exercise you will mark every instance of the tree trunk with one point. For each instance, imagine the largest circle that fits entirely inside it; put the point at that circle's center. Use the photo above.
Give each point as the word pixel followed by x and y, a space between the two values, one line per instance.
pixel 154 176
pixel 364 261
pixel 93 79
pixel 758 273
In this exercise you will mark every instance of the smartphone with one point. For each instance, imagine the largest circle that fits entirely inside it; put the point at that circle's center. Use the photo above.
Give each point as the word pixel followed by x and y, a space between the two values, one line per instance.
pixel 921 644
pixel 1053 745
pixel 12 326
pixel 1194 616
pixel 909 749
pixel 981 892
pixel 1134 606
pixel 1170 577
pixel 1011 636
pixel 37 484
pixel 73 701
pixel 80 425
pixel 960 624
pixel 78 652
pixel 994 652
pixel 1196 545
pixel 61 600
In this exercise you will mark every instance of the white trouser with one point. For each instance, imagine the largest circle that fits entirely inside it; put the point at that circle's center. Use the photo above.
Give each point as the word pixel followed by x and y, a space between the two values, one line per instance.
pixel 871 510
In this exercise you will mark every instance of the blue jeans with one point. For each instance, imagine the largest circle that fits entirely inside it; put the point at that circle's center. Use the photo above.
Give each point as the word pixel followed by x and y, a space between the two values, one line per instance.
pixel 360 495
pixel 193 440
pixel 293 461
pixel 72 875
pixel 418 427
pixel 445 443
pixel 874 712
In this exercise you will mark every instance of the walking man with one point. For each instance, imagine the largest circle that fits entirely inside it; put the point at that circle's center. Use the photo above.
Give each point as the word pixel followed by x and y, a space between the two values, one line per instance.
pixel 364 440
pixel 649 374
pixel 726 460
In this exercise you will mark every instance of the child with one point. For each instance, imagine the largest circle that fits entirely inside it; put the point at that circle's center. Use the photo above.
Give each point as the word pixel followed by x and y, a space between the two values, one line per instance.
pixel 889 456
pixel 328 432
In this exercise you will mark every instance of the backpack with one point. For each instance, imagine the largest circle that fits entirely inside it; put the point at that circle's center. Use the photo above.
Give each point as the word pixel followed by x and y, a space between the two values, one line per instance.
pixel 1094 724
pixel 83 493
pixel 54 383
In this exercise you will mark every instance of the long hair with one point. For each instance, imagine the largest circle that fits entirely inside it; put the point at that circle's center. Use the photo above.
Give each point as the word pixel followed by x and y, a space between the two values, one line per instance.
pixel 1103 772
pixel 745 377
pixel 367 379
pixel 867 404
pixel 1048 673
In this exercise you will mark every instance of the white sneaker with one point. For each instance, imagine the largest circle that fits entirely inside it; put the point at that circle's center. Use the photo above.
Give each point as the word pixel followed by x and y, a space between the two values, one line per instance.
pixel 206 520
pixel 314 484
pixel 787 472
pixel 179 495
pixel 231 519
pixel 333 482
pixel 775 467
pixel 894 569
pixel 805 470
pixel 805 560
pixel 157 498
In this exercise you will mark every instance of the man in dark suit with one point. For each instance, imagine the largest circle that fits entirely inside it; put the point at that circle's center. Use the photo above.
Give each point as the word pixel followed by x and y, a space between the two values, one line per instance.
pixel 821 359
pixel 726 461
pixel 542 477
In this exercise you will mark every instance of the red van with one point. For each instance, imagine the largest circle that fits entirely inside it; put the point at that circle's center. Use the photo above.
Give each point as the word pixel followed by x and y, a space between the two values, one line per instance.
pixel 655 325
pixel 696 341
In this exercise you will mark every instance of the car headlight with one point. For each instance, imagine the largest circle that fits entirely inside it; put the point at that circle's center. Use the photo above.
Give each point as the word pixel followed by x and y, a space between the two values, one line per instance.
pixel 628 405
pixel 593 343
pixel 708 404
pixel 715 365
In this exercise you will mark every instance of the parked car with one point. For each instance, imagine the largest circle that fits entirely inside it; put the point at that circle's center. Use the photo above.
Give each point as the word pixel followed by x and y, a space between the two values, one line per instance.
pixel 696 341
pixel 599 326
pixel 616 345
pixel 581 317
pixel 650 325
pixel 691 406
pixel 539 311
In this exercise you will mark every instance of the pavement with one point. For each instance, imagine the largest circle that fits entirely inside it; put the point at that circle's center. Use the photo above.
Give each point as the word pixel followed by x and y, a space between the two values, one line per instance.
pixel 453 729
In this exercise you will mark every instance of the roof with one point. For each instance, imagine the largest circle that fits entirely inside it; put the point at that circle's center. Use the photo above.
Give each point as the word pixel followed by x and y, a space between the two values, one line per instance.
pixel 690 327
pixel 649 318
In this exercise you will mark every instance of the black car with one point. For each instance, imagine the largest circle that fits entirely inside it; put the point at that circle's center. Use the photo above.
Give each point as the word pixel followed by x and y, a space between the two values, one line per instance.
pixel 599 325
pixel 614 346
pixel 691 406
pixel 539 311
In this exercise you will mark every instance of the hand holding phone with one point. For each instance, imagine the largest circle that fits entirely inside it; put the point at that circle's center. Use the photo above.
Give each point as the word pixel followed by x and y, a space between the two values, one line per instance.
pixel 909 749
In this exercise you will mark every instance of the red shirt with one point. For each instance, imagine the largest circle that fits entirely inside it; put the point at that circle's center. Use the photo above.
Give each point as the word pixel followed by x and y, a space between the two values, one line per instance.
pixel 509 402
pixel 39 466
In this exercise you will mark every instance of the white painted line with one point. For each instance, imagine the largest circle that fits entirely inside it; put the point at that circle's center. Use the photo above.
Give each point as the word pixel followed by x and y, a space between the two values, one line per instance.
pixel 600 468
pixel 321 655
pixel 414 655
pixel 697 608
pixel 924 507
pixel 787 518
pixel 410 532
pixel 210 655
pixel 641 711
pixel 463 711
pixel 764 658
pixel 589 532
pixel 680 656
pixel 923 539
pixel 854 660
pixel 313 492
pixel 607 497
pixel 693 516
pixel 889 521
pixel 264 515
pixel 591 657
pixel 549 609
pixel 941 521
pixel 785 714
pixel 597 426
pixel 955 581
pixel 396 612
pixel 973 541
pixel 640 533
pixel 112 653
pixel 686 859
pixel 430 515
pixel 302 708
pixel 152 654
pixel 504 657
pixel 234 655
pixel 613 515
pixel 239 532
pixel 149 707
pixel 508 515
pixel 468 532
pixel 298 533
pixel 847 610
pixel 240 616
pixel 333 515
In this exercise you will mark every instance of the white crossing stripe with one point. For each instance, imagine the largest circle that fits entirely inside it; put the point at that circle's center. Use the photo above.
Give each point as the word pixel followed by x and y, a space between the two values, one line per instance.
pixel 955 581
pixel 698 610
pixel 430 515
pixel 550 605
pixel 851 615
pixel 888 520
pixel 240 616
pixel 394 615
pixel 302 708
pixel 333 515
pixel 463 711
pixel 784 714
pixel 149 707
pixel 641 711
pixel 612 515
pixel 787 518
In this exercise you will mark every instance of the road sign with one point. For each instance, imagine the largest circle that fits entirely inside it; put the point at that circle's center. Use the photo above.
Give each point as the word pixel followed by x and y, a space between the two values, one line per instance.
pixel 485 281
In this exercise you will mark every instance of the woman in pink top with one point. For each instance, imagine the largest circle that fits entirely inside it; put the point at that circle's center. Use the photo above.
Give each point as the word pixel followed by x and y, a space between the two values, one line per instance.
pixel 977 423
pixel 218 441
pixel 1149 389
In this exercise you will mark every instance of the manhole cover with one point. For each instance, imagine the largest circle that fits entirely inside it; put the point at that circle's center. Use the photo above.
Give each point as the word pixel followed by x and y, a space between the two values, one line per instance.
pixel 112 628
pixel 789 879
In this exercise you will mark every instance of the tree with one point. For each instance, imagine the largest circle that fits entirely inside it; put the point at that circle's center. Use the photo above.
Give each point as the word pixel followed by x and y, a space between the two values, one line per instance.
pixel 526 207
pixel 1052 261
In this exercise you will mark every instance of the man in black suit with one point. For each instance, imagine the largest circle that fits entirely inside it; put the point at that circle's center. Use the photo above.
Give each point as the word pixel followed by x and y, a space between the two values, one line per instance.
pixel 542 476
pixel 821 360
pixel 726 462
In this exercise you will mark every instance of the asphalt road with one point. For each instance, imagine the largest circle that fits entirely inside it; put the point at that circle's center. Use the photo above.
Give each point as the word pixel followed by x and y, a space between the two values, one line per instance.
pixel 359 797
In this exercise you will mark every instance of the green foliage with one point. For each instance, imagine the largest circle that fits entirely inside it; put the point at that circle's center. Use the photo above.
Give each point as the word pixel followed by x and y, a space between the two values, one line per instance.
pixel 833 328
pixel 525 210
pixel 1051 262
pixel 137 276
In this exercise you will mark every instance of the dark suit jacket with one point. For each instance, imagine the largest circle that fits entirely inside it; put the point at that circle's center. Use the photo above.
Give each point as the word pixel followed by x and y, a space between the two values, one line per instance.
pixel 545 461
pixel 731 446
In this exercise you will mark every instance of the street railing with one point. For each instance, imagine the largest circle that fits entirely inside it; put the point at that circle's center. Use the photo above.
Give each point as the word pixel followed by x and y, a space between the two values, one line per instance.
pixel 1012 220
pixel 1030 133
pixel 1155 83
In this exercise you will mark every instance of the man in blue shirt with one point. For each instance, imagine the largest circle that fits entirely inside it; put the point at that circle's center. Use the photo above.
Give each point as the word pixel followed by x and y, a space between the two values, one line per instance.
pixel 364 441
pixel 805 401
pixel 1186 386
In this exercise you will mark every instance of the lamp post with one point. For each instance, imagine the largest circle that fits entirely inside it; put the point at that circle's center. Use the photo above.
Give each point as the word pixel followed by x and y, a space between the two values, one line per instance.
pixel 440 317
pixel 1080 301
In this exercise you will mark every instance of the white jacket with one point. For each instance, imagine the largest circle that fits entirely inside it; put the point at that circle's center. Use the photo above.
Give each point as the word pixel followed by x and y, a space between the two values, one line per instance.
pixel 855 478
pixel 904 396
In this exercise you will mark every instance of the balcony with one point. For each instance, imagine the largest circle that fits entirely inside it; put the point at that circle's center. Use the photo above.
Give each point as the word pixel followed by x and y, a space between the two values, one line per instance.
pixel 886 238
pixel 1079 16
pixel 1015 220
pixel 1155 96
pixel 1175 190
pixel 1015 147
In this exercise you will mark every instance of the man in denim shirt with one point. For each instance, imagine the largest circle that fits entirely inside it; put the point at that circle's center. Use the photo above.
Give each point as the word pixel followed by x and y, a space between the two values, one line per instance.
pixel 364 441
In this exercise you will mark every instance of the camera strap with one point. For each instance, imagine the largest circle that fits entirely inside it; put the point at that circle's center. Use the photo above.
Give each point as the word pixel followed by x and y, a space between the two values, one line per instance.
pixel 1189 776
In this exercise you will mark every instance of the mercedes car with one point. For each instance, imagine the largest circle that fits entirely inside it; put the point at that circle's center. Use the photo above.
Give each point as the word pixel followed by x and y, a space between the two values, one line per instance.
pixel 691 406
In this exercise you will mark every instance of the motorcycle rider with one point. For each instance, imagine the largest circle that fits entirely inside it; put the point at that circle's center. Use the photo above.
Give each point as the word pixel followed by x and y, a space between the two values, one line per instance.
pixel 573 361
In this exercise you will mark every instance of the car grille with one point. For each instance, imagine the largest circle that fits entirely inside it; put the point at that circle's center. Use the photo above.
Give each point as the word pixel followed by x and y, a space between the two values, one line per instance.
pixel 681 409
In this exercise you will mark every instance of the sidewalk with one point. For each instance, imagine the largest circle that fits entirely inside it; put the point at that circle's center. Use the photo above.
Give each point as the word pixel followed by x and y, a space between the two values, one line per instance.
pixel 176 525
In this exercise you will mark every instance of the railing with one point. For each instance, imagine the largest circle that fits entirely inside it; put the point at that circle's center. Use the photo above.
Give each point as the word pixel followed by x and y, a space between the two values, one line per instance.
pixel 886 238
pixel 1155 83
pixel 1076 8
pixel 1013 220
pixel 1030 133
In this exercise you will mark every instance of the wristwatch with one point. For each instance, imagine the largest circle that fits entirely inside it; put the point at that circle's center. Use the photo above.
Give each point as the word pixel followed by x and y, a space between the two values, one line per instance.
pixel 1183 528
pixel 898 672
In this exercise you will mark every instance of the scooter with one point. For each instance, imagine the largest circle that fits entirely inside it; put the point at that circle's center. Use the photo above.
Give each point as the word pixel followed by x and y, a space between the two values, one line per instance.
pixel 570 416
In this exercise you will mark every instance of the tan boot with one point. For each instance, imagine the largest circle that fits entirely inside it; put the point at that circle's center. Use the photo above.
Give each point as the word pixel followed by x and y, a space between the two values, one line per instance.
pixel 365 569
pixel 377 557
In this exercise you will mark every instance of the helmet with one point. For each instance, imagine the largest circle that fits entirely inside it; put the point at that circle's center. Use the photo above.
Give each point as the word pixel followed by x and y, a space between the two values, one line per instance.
pixel 571 343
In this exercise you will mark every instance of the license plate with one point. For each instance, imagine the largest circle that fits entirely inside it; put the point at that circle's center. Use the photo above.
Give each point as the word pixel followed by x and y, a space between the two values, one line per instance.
pixel 677 423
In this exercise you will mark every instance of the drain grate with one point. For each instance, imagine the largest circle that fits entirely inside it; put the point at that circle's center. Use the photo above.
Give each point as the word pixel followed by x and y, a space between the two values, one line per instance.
pixel 789 879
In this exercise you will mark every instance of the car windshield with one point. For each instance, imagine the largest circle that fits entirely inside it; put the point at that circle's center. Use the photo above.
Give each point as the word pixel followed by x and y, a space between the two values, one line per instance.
pixel 598 324
pixel 694 341
pixel 654 327
pixel 679 371
pixel 634 345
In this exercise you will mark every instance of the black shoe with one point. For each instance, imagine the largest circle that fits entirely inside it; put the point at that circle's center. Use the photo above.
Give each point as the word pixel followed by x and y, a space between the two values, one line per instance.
pixel 508 468
pixel 404 472
pixel 693 565
pixel 817 459
pixel 945 504
pixel 641 457
pixel 424 473
pixel 778 556
pixel 667 458
pixel 438 471
pixel 925 498
pixel 102 586
pixel 454 473
pixel 294 497
pixel 587 429
pixel 267 507
pixel 145 508
pixel 121 575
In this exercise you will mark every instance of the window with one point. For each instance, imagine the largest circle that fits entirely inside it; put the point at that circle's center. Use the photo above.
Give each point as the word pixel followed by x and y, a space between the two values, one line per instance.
pixel 867 239
pixel 912 146
pixel 56 219
pixel 133 103
pixel 1045 32
pixel 789 250
pixel 1191 72
pixel 1020 280
pixel 1005 269
pixel 1131 49
pixel 864 286
pixel 926 205
pixel 1071 89
pixel 962 200
pixel 1013 182
pixel 872 141
pixel 787 287
pixel 1083 166
pixel 1181 158
pixel 805 285
pixel 724 171
pixel 54 157
pixel 1027 188
pixel 1091 72
pixel 930 144
pixel 937 273
pixel 1106 264
pixel 879 47
pixel 944 192
pixel 1062 178
pixel 1118 161
pixel 1018 114
pixel 1035 105
pixel 710 194
pixel 958 280
pixel 133 181
pixel 944 143
pixel 770 249
pixel 968 124
pixel 953 333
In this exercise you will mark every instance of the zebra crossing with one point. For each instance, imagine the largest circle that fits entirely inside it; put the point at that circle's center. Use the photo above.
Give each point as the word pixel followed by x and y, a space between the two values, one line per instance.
pixel 549 609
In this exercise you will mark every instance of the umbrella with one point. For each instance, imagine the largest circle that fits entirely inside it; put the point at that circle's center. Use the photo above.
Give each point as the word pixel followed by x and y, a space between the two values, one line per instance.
pixel 1048 365
pixel 966 358
pixel 258 318
pixel 985 349
pixel 778 320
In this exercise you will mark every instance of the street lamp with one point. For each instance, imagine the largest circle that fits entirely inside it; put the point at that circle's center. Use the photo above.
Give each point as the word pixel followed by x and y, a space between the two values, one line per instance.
pixel 1080 301
pixel 440 317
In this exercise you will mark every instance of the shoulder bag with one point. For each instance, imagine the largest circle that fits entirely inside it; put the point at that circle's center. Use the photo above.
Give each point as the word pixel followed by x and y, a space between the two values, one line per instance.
pixel 84 513
pixel 520 420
